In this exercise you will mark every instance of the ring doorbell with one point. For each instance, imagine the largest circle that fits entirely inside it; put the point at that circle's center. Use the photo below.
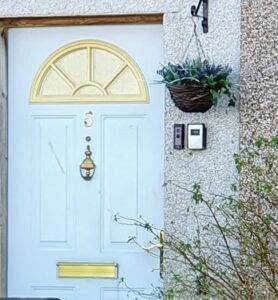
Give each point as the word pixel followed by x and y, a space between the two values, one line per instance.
pixel 179 136
pixel 196 136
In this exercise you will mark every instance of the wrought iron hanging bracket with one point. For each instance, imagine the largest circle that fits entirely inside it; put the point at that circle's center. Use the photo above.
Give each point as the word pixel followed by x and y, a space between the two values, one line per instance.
pixel 195 10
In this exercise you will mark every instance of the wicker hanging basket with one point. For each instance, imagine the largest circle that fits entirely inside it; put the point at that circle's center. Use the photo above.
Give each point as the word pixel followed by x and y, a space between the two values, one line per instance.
pixel 191 98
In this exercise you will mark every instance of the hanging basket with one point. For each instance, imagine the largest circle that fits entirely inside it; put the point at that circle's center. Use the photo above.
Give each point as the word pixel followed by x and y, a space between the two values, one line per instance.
pixel 191 98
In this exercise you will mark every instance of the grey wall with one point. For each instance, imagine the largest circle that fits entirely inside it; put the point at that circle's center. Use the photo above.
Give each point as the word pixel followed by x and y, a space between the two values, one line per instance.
pixel 213 167
pixel 259 63
pixel 84 7
pixel 259 80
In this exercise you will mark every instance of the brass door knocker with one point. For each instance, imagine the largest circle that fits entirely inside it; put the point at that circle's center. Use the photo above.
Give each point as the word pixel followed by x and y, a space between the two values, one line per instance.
pixel 87 167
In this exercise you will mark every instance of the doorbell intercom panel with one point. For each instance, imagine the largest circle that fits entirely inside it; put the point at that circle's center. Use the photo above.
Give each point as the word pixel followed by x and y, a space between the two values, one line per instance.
pixel 179 136
pixel 196 136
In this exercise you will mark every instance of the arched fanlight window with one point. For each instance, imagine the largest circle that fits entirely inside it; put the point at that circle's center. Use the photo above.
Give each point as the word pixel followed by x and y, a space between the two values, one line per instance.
pixel 89 71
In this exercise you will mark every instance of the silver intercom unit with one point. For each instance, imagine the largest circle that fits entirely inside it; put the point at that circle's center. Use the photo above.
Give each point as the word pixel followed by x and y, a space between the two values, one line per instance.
pixel 196 136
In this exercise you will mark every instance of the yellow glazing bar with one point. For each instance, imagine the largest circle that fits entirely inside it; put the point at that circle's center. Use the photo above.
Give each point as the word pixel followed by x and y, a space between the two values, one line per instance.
pixel 90 63
pixel 87 270
pixel 118 84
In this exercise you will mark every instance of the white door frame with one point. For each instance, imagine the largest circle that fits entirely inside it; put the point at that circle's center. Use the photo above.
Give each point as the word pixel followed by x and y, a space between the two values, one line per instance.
pixel 20 22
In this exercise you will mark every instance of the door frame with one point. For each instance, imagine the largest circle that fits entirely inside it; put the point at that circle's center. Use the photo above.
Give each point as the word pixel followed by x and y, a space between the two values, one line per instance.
pixel 5 24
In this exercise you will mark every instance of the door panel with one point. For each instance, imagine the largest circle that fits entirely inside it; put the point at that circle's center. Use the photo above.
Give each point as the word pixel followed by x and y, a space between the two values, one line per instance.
pixel 121 196
pixel 53 196
pixel 55 215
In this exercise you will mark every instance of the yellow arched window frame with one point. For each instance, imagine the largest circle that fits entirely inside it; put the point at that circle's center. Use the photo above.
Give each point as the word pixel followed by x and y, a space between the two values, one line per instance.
pixel 89 71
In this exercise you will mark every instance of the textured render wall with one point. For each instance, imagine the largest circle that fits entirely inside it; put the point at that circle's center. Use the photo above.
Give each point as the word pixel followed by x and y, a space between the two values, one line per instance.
pixel 259 62
pixel 259 79
pixel 213 167
pixel 84 7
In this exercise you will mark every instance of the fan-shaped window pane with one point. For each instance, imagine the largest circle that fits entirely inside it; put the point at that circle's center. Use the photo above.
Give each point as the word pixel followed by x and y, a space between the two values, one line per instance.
pixel 75 65
pixel 83 69
pixel 54 85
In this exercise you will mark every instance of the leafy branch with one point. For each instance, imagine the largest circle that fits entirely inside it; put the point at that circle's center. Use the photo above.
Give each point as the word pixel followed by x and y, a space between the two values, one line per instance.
pixel 228 247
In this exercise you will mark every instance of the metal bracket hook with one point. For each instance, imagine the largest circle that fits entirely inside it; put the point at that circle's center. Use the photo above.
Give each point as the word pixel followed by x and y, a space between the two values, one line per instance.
pixel 195 10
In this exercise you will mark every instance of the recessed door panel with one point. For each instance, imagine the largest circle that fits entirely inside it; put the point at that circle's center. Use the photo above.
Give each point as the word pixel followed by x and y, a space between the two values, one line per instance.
pixel 52 166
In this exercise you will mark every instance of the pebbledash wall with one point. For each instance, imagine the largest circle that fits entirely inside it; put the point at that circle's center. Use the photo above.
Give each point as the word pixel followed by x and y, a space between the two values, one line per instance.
pixel 259 63
pixel 214 167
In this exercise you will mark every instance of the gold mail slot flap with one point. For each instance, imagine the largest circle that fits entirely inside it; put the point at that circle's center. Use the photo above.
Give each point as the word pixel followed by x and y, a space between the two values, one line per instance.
pixel 87 270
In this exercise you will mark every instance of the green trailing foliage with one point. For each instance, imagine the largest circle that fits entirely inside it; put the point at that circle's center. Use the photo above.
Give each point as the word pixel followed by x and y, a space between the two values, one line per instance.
pixel 203 73
pixel 228 250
